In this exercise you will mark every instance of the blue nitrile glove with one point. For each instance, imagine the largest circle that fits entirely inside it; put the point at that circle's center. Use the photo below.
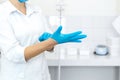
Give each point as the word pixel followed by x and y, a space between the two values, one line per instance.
pixel 44 36
pixel 22 1
pixel 63 38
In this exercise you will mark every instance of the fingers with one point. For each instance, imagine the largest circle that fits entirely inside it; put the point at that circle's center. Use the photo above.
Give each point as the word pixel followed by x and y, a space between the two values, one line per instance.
pixel 44 36
pixel 58 31
pixel 41 38
pixel 78 41
pixel 74 33
pixel 63 38
pixel 78 37
pixel 47 35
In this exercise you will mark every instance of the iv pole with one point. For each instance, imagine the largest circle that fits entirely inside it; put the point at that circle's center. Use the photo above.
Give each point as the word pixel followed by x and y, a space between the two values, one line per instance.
pixel 60 9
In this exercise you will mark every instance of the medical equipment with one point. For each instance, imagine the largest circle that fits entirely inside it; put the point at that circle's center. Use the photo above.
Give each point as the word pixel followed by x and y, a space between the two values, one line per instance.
pixel 60 9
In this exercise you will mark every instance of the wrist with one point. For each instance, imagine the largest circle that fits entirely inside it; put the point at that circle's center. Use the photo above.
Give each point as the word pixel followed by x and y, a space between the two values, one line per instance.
pixel 52 41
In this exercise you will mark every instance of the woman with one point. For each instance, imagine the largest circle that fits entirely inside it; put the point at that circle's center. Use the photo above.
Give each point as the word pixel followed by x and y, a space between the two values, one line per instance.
pixel 22 53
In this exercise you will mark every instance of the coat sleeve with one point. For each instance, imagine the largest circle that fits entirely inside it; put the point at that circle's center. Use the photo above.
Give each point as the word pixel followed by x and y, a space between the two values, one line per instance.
pixel 9 45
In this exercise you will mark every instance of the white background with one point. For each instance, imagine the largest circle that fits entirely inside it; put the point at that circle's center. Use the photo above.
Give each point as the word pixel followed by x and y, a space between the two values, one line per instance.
pixel 80 7
pixel 93 17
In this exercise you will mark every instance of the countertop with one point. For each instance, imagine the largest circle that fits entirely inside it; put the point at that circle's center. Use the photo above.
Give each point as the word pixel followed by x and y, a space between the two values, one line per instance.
pixel 87 61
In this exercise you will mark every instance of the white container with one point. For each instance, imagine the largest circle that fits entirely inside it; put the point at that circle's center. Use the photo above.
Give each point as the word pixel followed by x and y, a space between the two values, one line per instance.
pixel 114 51
pixel 113 41
pixel 72 53
pixel 114 45
pixel 63 52
pixel 84 52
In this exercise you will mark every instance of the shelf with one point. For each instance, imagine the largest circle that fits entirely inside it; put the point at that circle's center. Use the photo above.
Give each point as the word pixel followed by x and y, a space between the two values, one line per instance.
pixel 90 61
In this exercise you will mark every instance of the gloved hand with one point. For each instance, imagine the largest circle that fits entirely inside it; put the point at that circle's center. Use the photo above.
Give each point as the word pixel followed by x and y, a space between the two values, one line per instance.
pixel 63 38
pixel 44 36
pixel 22 1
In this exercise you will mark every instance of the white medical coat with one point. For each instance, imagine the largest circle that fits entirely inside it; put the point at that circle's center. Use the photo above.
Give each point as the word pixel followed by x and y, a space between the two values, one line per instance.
pixel 17 31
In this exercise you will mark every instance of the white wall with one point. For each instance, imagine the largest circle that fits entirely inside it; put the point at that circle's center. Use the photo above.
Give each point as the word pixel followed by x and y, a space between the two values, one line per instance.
pixel 118 6
pixel 80 7
pixel 1 1
pixel 97 28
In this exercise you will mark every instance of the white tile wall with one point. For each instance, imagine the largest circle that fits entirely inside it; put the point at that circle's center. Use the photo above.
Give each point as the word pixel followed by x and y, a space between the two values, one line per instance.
pixel 98 28
pixel 79 7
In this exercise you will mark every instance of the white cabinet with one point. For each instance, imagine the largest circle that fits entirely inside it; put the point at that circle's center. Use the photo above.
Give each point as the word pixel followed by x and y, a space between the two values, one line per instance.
pixel 85 73
pixel 93 68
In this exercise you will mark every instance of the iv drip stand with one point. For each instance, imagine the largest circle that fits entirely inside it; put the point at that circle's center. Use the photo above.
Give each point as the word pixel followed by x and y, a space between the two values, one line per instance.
pixel 60 10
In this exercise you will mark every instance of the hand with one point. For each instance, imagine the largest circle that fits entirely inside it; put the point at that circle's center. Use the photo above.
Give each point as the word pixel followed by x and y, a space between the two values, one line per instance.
pixel 44 36
pixel 63 38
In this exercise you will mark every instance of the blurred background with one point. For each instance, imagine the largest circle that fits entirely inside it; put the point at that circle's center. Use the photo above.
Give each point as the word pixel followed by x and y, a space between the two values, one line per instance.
pixel 98 56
